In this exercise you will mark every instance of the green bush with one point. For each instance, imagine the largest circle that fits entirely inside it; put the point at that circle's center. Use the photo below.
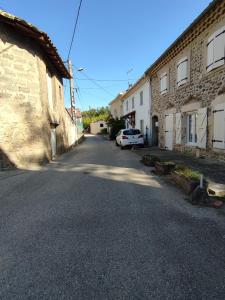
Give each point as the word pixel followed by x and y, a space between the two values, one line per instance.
pixel 188 173
pixel 115 126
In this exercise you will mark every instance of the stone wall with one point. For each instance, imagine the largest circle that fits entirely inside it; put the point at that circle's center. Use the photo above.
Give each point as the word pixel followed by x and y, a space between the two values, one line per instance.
pixel 25 115
pixel 201 87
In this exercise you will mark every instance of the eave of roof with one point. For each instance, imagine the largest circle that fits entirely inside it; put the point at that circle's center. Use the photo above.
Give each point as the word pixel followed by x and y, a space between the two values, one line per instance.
pixel 41 37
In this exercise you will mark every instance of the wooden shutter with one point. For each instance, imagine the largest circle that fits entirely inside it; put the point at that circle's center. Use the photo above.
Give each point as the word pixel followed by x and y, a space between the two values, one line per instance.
pixel 163 83
pixel 202 127
pixel 210 53
pixel 219 47
pixel 219 126
pixel 178 128
pixel 182 71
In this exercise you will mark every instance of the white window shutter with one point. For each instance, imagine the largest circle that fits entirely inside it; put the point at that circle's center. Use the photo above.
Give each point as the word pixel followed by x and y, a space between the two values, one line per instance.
pixel 219 126
pixel 202 127
pixel 219 47
pixel 210 53
pixel 182 71
pixel 163 83
pixel 178 128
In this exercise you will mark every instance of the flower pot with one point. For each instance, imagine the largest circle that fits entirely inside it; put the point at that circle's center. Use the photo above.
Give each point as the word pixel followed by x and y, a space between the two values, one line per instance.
pixel 163 169
pixel 186 184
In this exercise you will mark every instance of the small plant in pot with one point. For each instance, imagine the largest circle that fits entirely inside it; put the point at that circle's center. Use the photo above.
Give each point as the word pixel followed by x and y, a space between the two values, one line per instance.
pixel 149 160
pixel 186 178
pixel 164 167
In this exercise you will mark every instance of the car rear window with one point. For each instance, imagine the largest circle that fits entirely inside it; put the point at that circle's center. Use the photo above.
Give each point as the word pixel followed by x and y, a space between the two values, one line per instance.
pixel 131 132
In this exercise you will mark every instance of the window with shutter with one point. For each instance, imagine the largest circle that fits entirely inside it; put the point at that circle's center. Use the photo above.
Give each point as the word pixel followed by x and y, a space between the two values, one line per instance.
pixel 216 49
pixel 219 47
pixel 219 126
pixel 163 83
pixel 182 71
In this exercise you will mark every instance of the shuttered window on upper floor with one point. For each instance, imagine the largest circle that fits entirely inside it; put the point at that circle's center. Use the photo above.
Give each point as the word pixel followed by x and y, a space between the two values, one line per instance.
pixel 216 49
pixel 163 83
pixel 182 71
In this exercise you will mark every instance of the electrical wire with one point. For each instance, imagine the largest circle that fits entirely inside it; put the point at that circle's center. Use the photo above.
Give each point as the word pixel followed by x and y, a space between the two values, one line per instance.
pixel 105 79
pixel 74 30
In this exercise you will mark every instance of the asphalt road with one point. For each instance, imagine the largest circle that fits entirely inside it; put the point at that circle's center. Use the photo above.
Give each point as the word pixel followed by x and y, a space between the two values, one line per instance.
pixel 97 225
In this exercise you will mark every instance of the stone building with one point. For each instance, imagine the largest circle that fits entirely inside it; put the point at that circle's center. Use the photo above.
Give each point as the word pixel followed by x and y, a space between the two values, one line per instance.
pixel 188 87
pixel 34 125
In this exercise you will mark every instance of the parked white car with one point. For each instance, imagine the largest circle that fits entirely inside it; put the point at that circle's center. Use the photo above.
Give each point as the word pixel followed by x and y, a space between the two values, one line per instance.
pixel 129 137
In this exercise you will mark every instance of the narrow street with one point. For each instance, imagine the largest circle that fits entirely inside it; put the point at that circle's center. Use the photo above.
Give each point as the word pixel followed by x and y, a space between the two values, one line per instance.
pixel 96 224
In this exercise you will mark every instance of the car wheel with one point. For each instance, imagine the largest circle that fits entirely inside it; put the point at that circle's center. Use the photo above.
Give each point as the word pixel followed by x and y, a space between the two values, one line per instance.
pixel 122 147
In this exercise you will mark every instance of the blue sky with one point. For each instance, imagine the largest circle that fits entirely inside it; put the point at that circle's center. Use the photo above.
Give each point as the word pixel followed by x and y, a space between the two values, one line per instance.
pixel 112 37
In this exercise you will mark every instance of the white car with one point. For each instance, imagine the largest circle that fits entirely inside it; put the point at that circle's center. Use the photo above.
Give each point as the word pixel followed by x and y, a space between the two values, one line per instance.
pixel 129 137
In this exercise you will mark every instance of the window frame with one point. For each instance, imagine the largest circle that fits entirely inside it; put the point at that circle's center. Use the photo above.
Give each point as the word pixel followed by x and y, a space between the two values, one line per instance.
pixel 165 90
pixel 195 135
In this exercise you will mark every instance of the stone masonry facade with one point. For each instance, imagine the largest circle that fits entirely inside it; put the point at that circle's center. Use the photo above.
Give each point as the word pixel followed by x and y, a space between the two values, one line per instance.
pixel 25 116
pixel 201 89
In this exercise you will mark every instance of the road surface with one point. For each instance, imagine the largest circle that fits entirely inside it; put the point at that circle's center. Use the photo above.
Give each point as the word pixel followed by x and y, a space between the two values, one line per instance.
pixel 98 225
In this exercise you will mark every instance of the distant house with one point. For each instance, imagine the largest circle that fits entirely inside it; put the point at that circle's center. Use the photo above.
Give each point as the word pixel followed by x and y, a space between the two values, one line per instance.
pixel 35 126
pixel 96 127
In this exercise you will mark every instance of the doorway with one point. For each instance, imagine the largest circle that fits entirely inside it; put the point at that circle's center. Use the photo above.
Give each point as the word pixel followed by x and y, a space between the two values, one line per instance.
pixel 155 131
pixel 53 142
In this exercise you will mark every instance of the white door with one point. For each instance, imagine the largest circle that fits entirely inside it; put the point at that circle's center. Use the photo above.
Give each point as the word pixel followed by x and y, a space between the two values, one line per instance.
pixel 53 142
pixel 169 132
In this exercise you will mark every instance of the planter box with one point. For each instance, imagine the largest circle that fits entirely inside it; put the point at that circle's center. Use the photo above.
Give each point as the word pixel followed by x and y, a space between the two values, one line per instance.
pixel 149 160
pixel 185 183
pixel 163 169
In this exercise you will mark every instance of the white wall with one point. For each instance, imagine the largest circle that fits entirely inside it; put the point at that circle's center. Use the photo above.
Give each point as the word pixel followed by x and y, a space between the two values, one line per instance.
pixel 95 127
pixel 143 112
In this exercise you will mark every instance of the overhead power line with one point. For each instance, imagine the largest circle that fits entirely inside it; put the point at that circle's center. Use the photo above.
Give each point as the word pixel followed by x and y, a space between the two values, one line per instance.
pixel 74 30
pixel 105 79
pixel 97 84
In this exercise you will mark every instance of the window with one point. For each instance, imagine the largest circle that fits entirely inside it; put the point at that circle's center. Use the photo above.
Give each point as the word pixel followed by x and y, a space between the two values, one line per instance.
pixel 132 102
pixel 192 128
pixel 182 71
pixel 131 132
pixel 127 105
pixel 141 98
pixel 216 49
pixel 163 83
pixel 49 85
pixel 101 125
pixel 142 126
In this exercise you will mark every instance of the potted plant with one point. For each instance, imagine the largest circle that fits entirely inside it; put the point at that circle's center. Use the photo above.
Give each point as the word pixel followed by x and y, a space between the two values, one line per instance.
pixel 186 178
pixel 164 167
pixel 149 160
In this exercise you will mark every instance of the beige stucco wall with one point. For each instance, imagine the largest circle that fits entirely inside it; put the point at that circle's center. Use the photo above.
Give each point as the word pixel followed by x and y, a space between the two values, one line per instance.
pixel 95 127
pixel 116 109
pixel 25 115
pixel 200 90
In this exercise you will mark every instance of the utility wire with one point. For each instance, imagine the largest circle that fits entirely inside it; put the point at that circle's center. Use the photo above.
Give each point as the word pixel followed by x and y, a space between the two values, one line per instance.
pixel 105 79
pixel 97 84
pixel 74 30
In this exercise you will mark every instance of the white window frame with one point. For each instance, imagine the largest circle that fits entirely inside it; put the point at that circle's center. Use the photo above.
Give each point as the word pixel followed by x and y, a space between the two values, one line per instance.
pixel 182 66
pixel 163 83
pixel 214 44
pixel 193 142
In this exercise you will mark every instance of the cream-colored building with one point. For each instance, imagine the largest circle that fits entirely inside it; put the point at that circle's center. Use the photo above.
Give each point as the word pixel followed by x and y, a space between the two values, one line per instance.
pixel 35 127
pixel 96 127
pixel 116 106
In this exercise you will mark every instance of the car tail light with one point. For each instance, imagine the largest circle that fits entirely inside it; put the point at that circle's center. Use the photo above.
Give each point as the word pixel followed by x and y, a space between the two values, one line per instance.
pixel 140 136
pixel 124 137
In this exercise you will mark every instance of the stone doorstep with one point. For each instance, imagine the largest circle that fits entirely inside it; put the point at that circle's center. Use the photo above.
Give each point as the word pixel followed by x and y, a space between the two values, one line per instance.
pixel 216 189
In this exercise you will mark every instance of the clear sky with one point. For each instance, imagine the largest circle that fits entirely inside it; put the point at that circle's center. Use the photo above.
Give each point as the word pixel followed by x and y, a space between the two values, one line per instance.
pixel 112 37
